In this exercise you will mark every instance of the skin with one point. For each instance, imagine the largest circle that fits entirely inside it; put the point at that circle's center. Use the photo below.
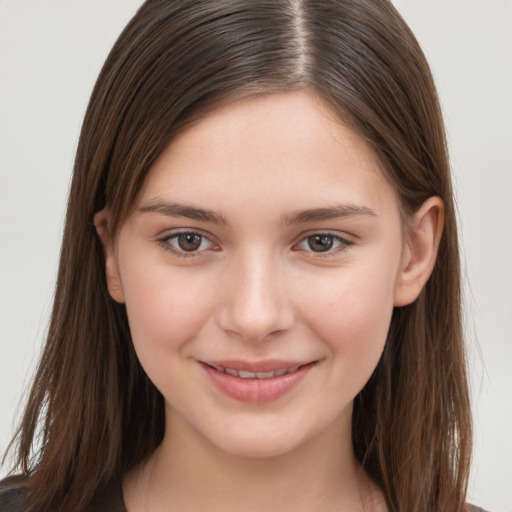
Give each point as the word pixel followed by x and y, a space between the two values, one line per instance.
pixel 258 289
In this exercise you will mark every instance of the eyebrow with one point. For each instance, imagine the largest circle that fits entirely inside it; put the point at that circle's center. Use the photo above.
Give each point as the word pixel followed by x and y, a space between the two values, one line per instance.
pixel 183 210
pixel 298 217
pixel 332 212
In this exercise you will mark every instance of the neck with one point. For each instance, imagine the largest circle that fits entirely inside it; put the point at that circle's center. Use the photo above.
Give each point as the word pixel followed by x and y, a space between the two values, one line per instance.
pixel 188 473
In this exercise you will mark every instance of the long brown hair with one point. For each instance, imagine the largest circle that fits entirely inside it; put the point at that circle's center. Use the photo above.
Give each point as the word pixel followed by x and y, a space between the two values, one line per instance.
pixel 92 413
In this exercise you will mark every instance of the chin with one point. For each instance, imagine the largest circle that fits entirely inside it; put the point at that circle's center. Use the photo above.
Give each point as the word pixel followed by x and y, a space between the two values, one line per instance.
pixel 269 439
pixel 259 447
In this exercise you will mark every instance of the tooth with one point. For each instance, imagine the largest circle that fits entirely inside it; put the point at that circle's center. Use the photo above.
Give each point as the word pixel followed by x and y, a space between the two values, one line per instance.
pixel 231 371
pixel 219 368
pixel 246 375
pixel 278 373
pixel 265 375
pixel 293 369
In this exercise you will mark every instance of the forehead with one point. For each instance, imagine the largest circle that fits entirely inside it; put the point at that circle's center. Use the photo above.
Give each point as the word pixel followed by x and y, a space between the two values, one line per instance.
pixel 289 147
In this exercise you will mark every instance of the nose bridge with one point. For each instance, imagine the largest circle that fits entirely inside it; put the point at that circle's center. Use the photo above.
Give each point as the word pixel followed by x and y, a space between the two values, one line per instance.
pixel 256 302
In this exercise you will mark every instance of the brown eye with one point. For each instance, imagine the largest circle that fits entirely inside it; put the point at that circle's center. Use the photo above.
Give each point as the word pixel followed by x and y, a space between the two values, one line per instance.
pixel 325 244
pixel 320 243
pixel 189 242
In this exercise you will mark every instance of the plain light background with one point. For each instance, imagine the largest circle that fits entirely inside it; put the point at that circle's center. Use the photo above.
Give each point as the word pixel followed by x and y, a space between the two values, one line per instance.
pixel 50 54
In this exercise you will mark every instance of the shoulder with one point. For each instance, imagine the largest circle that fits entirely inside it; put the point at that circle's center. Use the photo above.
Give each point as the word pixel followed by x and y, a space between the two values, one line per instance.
pixel 109 499
pixel 474 508
pixel 11 494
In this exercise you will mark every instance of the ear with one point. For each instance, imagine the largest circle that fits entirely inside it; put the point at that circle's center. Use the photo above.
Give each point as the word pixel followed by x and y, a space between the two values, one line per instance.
pixel 102 223
pixel 420 251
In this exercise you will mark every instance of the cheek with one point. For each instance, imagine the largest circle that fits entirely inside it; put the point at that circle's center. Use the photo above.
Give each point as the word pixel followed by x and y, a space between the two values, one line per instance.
pixel 351 319
pixel 351 313
pixel 166 308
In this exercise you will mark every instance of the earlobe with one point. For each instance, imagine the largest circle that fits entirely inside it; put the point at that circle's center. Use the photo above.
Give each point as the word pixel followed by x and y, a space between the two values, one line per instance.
pixel 102 224
pixel 420 251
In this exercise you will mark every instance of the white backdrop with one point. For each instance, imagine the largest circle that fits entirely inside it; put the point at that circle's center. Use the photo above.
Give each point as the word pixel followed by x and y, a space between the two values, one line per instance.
pixel 50 54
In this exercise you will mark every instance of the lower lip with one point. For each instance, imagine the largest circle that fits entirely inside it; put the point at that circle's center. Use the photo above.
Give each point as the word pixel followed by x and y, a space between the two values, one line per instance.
pixel 256 391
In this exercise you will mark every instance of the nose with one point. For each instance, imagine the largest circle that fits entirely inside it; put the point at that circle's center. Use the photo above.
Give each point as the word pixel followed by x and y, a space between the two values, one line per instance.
pixel 255 301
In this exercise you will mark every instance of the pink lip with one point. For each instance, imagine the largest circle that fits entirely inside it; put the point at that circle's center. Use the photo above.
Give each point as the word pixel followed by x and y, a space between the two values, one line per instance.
pixel 256 390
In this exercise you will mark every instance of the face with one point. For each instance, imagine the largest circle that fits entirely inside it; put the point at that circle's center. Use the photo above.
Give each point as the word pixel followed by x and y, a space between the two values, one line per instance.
pixel 259 270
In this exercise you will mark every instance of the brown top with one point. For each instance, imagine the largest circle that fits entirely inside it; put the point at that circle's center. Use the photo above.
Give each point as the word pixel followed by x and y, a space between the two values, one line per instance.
pixel 109 500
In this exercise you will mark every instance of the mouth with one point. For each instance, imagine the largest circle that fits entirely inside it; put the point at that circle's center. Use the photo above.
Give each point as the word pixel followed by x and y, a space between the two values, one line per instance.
pixel 256 382
pixel 245 374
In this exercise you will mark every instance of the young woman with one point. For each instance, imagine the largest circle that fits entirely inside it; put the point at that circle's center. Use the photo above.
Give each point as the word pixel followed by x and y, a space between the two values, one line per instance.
pixel 258 301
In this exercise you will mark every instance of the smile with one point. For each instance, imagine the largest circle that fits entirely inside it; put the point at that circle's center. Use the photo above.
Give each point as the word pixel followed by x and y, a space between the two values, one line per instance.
pixel 256 382
pixel 257 375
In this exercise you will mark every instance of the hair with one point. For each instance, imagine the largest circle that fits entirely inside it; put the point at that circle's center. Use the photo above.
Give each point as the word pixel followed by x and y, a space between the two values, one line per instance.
pixel 92 413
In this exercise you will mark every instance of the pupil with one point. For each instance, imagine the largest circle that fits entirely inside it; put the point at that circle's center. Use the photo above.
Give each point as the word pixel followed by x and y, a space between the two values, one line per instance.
pixel 189 242
pixel 320 243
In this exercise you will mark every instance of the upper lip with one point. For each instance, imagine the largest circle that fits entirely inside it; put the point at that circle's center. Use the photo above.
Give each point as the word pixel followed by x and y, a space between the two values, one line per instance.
pixel 267 365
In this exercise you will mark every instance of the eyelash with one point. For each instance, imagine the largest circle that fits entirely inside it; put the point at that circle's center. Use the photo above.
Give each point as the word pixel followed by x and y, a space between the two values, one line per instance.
pixel 344 244
pixel 165 243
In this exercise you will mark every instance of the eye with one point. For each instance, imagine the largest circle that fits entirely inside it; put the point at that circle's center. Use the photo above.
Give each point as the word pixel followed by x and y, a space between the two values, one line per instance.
pixel 323 243
pixel 186 243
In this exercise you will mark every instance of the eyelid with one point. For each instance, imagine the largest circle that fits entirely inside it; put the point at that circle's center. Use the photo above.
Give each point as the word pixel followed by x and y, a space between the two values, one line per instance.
pixel 345 243
pixel 164 242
